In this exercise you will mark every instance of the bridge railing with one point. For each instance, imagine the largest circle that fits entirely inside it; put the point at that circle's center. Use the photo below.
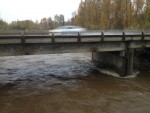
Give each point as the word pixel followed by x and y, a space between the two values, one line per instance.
pixel 89 36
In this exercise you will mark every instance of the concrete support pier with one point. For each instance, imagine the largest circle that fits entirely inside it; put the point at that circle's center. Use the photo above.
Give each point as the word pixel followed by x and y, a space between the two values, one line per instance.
pixel 121 62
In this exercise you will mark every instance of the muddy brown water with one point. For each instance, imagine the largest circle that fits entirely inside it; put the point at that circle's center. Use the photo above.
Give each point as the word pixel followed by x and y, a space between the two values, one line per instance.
pixel 70 83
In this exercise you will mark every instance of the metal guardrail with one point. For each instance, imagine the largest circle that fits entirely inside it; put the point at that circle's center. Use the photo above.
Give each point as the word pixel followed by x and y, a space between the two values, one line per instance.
pixel 74 37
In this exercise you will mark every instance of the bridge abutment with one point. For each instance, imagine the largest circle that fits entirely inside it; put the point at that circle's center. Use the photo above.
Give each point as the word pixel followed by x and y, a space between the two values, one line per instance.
pixel 121 62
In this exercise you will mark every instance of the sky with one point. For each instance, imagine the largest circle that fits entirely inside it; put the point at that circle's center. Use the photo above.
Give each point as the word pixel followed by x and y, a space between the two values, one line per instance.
pixel 11 10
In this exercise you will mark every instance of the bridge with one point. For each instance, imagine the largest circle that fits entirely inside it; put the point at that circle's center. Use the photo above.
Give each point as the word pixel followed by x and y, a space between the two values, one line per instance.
pixel 115 48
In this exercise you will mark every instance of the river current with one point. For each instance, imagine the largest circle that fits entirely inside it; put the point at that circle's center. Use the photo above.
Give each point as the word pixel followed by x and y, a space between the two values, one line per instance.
pixel 70 83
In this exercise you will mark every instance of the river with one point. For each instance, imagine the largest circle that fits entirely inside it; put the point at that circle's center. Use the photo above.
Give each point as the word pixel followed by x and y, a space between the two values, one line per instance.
pixel 70 83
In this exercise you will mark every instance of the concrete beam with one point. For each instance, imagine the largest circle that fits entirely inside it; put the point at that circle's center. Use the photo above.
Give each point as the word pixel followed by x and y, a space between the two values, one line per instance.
pixel 55 48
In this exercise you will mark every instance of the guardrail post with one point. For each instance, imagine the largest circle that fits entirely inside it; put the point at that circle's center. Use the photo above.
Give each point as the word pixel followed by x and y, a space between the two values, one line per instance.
pixel 102 35
pixel 53 37
pixel 143 35
pixel 123 36
pixel 22 38
pixel 79 37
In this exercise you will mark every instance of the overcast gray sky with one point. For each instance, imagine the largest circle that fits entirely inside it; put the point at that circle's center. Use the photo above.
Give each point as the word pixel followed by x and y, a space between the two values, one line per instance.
pixel 11 10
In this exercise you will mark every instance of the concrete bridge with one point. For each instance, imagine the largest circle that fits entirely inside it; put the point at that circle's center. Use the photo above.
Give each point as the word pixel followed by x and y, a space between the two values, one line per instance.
pixel 109 47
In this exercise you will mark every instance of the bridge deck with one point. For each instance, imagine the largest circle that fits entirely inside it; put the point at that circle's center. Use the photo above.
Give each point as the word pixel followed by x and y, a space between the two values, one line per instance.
pixel 20 44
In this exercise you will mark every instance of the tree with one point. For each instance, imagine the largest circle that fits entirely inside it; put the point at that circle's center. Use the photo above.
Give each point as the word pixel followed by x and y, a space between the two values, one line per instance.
pixel 3 25
pixel 23 25
pixel 59 20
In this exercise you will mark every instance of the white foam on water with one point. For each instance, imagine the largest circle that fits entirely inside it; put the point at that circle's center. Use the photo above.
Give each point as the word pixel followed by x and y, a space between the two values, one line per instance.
pixel 109 72
pixel 133 75
pixel 114 74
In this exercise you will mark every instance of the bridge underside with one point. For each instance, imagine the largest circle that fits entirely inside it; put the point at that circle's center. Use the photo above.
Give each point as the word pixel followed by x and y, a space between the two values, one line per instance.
pixel 121 62
pixel 55 48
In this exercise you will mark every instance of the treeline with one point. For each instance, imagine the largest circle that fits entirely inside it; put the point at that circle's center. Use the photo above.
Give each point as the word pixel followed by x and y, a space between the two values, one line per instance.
pixel 44 24
pixel 113 14
pixel 95 14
